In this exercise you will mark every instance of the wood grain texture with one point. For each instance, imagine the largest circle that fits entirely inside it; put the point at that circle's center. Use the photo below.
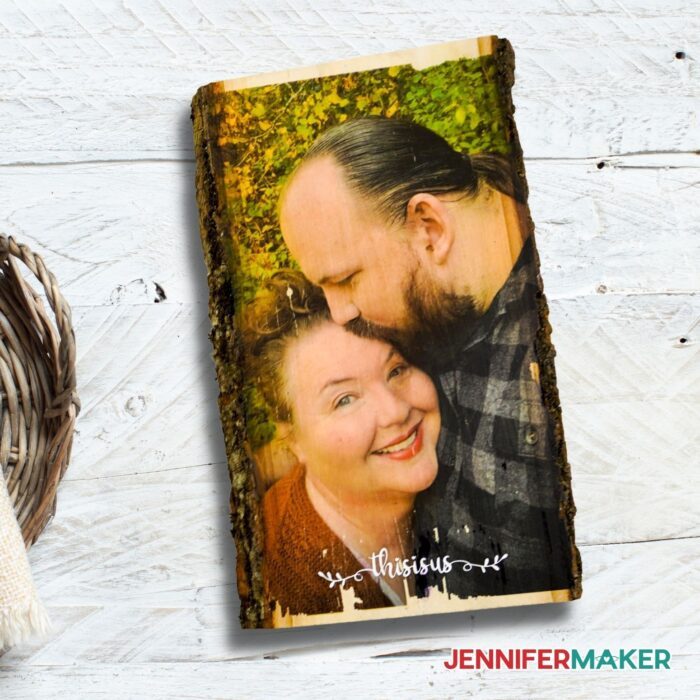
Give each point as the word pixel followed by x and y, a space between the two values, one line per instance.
pixel 108 80
pixel 181 610
pixel 631 226
pixel 384 678
pixel 611 395
pixel 137 567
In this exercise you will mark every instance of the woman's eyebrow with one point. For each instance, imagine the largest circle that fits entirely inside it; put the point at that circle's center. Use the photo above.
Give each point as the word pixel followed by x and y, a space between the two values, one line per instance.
pixel 333 382
pixel 393 352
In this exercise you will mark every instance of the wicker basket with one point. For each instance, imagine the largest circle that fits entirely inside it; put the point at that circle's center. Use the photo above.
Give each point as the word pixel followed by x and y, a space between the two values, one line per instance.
pixel 39 399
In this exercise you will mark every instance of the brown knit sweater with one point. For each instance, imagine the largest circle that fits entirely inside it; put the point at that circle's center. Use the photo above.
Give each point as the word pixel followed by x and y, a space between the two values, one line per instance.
pixel 299 544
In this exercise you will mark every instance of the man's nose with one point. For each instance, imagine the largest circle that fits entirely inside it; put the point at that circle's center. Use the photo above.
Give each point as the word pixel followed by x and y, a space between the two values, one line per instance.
pixel 341 307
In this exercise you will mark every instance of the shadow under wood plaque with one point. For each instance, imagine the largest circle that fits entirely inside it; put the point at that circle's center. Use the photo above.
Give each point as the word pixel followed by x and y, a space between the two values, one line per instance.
pixel 381 338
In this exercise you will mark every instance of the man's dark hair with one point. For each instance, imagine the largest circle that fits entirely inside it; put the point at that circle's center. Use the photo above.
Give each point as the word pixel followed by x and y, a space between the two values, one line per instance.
pixel 390 160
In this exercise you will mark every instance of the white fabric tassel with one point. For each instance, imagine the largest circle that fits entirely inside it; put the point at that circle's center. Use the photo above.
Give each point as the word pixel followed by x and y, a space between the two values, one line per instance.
pixel 18 623
pixel 21 611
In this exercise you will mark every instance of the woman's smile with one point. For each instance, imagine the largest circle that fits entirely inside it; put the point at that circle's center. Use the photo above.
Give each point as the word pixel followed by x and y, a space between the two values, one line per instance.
pixel 404 447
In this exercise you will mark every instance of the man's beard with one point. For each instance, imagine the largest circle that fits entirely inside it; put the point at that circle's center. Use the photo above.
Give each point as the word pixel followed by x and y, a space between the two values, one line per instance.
pixel 436 320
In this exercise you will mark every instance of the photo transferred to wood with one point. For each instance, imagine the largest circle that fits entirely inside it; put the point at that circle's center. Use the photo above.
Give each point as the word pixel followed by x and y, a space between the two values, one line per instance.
pixel 381 338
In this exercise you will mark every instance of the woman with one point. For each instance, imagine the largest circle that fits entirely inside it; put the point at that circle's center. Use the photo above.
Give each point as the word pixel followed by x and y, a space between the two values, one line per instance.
pixel 363 425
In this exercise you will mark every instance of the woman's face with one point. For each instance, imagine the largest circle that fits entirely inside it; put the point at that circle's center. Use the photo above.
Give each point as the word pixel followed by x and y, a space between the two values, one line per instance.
pixel 364 422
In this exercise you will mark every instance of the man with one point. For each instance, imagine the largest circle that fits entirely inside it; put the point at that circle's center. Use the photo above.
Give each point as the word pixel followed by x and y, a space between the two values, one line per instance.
pixel 421 245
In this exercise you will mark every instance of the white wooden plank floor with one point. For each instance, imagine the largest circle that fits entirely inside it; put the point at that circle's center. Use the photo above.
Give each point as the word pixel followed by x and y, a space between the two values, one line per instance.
pixel 96 173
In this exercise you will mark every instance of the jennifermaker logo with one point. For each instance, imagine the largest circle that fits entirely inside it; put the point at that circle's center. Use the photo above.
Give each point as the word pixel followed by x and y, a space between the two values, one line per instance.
pixel 555 659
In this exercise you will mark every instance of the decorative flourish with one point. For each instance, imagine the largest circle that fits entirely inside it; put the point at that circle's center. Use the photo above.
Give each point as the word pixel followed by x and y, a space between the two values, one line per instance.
pixel 336 578
pixel 488 564
pixel 403 568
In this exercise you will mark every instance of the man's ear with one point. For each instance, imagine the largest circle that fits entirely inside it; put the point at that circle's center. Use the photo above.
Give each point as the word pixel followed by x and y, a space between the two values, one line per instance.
pixel 430 221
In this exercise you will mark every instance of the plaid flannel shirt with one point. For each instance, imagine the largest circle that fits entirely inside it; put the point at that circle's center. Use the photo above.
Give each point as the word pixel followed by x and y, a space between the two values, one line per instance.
pixel 497 491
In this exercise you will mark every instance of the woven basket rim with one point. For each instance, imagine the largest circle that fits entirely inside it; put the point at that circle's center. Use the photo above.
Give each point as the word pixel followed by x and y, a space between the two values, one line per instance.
pixel 39 396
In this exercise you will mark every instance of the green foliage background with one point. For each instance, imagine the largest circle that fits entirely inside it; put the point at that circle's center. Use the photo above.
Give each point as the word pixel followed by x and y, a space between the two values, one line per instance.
pixel 263 132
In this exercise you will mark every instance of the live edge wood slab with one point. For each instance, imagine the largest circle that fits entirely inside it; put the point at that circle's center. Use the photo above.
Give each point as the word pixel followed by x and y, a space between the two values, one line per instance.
pixel 215 227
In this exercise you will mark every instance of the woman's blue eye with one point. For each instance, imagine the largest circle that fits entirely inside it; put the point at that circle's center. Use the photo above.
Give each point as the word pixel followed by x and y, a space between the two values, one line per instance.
pixel 344 401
